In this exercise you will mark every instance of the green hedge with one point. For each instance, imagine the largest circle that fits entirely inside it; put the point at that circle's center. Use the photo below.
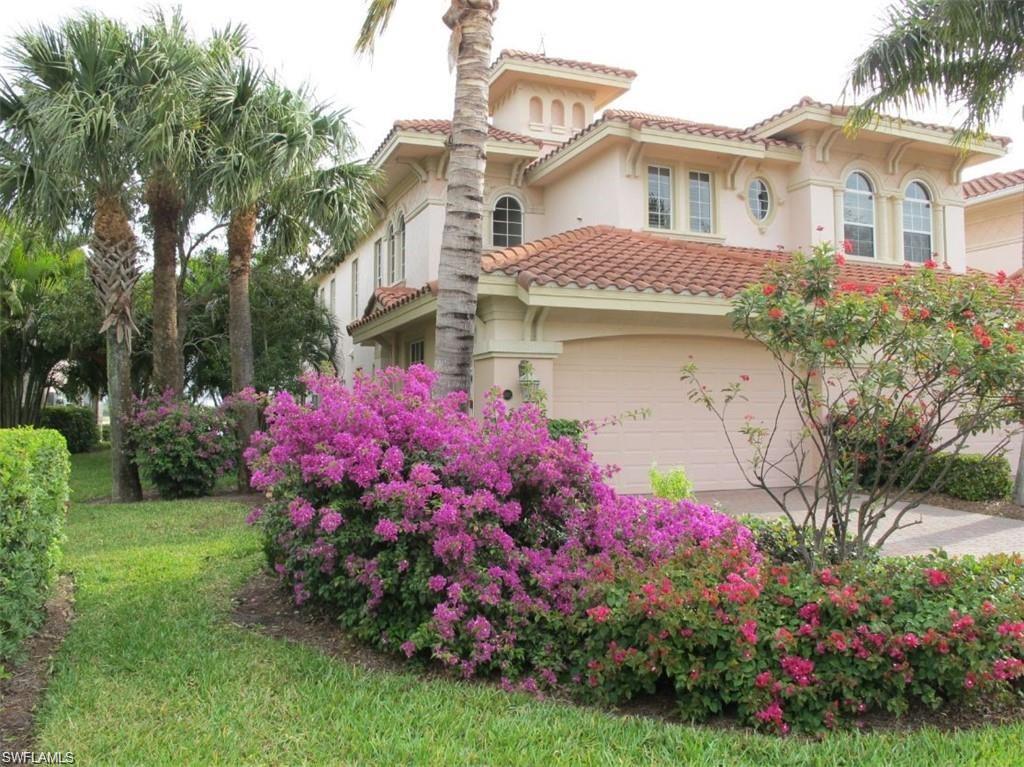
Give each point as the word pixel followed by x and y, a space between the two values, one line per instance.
pixel 76 423
pixel 34 471
pixel 969 477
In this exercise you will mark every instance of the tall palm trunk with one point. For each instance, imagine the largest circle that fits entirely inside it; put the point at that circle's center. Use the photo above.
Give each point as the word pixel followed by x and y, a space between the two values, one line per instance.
pixel 462 241
pixel 114 270
pixel 164 205
pixel 241 234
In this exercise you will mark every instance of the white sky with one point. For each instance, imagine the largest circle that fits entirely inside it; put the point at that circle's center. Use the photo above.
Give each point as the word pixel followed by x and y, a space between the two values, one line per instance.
pixel 731 62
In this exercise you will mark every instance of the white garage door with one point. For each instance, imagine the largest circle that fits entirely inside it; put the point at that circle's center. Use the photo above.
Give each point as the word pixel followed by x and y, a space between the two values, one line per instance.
pixel 602 377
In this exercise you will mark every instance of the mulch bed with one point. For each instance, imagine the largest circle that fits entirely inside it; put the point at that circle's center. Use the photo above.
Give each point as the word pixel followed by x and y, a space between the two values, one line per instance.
pixel 263 605
pixel 23 690
pixel 1006 508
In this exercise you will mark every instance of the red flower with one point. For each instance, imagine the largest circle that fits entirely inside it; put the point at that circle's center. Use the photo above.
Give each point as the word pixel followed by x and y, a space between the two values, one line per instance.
pixel 830 343
pixel 937 578
pixel 776 313
pixel 600 613
pixel 847 246
pixel 841 259
pixel 769 290
pixel 744 377
pixel 930 264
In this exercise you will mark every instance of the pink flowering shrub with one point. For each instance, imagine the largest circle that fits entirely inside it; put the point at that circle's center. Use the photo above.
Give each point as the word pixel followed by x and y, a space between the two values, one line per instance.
pixel 806 651
pixel 181 447
pixel 472 541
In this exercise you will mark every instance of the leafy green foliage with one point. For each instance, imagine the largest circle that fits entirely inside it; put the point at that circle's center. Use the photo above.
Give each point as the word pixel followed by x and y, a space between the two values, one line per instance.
pixel 968 476
pixel 34 470
pixel 77 425
pixel 566 427
pixel 671 484
pixel 180 447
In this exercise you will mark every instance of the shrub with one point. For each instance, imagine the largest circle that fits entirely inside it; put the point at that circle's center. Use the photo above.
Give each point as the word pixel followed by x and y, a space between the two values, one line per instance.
pixel 34 470
pixel 105 433
pixel 787 648
pixel 968 476
pixel 565 427
pixel 427 530
pixel 672 485
pixel 76 423
pixel 180 447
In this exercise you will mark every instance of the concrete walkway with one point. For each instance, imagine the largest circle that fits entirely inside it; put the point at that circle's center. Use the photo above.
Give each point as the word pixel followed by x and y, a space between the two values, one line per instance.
pixel 957 532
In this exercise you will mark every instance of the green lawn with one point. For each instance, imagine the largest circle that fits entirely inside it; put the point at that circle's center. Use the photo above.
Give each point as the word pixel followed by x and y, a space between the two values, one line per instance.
pixel 91 477
pixel 154 673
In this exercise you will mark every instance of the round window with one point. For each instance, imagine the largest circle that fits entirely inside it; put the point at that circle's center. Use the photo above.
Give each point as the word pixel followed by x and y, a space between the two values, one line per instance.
pixel 758 199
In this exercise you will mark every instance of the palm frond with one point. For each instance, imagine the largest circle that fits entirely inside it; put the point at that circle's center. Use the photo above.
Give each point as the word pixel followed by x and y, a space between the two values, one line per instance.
pixel 378 14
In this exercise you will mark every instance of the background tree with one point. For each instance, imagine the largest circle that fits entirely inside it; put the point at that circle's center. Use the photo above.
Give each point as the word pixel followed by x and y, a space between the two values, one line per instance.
pixel 35 280
pixel 883 378
pixel 67 153
pixel 470 22
pixel 279 166
pixel 968 52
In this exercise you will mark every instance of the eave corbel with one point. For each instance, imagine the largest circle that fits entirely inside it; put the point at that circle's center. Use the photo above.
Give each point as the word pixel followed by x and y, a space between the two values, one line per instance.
pixel 416 167
pixel 633 159
pixel 895 156
pixel 957 169
pixel 734 169
pixel 823 152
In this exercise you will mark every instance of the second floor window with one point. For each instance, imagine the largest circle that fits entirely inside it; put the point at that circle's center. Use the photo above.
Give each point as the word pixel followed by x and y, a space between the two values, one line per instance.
pixel 859 215
pixel 700 202
pixel 391 254
pixel 917 224
pixel 659 197
pixel 330 298
pixel 758 199
pixel 378 263
pixel 507 222
pixel 355 288
pixel 400 249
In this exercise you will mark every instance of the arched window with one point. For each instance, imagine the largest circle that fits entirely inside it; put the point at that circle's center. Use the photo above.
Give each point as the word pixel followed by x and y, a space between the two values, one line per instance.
pixel 400 247
pixel 579 116
pixel 759 199
pixel 391 254
pixel 859 215
pixel 917 223
pixel 536 110
pixel 507 222
pixel 557 113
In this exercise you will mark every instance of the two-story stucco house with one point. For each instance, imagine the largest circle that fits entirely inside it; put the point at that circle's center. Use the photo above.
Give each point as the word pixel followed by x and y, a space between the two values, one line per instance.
pixel 615 240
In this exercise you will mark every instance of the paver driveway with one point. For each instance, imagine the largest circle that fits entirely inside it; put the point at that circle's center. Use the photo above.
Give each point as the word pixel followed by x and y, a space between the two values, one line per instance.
pixel 958 532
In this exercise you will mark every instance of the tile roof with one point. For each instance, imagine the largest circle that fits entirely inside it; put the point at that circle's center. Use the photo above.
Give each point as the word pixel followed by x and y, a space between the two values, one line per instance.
pixel 387 298
pixel 992 183
pixel 842 111
pixel 444 128
pixel 609 257
pixel 585 66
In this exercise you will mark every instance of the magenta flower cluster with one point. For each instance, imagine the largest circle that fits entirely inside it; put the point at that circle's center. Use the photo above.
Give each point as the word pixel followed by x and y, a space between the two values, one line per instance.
pixel 448 536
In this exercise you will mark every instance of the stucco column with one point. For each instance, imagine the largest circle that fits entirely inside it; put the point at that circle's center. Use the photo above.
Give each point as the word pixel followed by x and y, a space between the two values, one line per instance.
pixel 939 230
pixel 837 206
pixel 896 233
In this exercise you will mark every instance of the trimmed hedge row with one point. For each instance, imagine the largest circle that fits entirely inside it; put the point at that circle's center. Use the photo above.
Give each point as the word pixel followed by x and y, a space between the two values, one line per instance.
pixel 969 476
pixel 76 423
pixel 34 471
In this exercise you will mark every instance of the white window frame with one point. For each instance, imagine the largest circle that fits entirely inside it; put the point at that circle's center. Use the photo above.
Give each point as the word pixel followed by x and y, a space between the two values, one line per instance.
pixel 378 262
pixel 760 220
pixel 420 345
pixel 522 222
pixel 355 288
pixel 690 173
pixel 872 196
pixel 390 238
pixel 670 213
pixel 400 248
pixel 927 203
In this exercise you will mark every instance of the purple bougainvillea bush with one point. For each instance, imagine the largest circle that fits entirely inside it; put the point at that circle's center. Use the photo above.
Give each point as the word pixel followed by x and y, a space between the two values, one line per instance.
pixel 478 542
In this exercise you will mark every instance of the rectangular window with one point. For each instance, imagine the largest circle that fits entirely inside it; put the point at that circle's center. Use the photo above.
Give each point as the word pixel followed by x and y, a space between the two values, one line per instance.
pixel 416 353
pixel 356 309
pixel 330 298
pixel 700 202
pixel 378 263
pixel 659 197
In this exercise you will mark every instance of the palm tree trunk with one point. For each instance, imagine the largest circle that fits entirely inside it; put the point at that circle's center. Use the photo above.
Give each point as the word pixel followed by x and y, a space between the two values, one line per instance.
pixel 462 241
pixel 164 214
pixel 114 270
pixel 241 234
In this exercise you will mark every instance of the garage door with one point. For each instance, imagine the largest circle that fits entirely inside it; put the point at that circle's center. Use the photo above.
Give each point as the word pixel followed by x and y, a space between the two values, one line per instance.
pixel 602 377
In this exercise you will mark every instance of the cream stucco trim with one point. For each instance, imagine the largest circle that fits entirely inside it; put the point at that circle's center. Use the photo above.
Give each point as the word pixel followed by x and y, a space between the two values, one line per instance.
pixel 491 348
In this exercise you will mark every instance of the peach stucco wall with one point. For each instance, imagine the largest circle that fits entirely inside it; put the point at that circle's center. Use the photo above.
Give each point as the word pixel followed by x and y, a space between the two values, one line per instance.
pixel 995 233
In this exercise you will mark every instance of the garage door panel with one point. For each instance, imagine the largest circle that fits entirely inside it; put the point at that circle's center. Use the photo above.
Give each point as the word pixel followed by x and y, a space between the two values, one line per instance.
pixel 606 377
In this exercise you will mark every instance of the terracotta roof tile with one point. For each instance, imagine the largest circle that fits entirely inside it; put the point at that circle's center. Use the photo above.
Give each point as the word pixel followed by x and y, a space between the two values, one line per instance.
pixel 604 256
pixel 444 128
pixel 992 183
pixel 568 63
pixel 387 298
pixel 842 111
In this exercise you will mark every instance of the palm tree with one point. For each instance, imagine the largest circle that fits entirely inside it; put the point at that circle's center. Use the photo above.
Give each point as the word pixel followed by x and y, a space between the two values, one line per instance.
pixel 954 51
pixel 962 51
pixel 66 156
pixel 278 165
pixel 470 22
pixel 171 67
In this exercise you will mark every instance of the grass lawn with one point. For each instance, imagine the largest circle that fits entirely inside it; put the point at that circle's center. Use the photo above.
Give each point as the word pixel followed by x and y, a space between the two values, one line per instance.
pixel 91 477
pixel 154 673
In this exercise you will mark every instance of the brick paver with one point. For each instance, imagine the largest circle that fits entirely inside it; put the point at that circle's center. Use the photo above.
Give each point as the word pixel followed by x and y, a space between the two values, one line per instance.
pixel 957 532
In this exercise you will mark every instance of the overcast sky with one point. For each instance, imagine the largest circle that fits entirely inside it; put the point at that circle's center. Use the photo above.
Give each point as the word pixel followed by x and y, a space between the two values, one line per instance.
pixel 730 62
